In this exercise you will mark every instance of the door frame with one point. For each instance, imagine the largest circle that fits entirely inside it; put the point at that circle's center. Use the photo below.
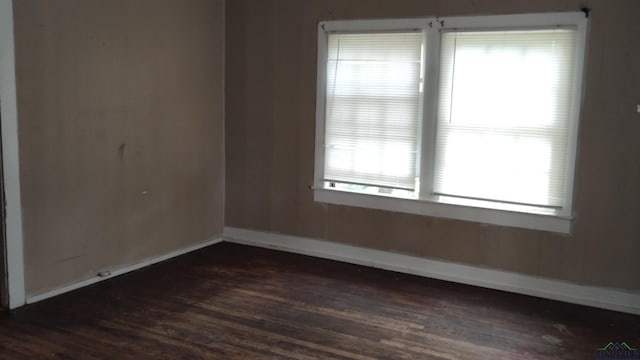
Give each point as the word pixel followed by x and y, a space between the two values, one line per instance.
pixel 14 249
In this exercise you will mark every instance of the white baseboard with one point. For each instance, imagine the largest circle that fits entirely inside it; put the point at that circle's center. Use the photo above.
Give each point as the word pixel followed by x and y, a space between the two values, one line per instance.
pixel 605 298
pixel 121 271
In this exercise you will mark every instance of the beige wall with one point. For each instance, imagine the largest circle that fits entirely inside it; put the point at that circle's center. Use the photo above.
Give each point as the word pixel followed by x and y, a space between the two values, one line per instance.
pixel 270 99
pixel 121 143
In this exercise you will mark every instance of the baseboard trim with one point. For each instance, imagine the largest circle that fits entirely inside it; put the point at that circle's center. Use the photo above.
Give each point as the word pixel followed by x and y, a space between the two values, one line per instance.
pixel 605 298
pixel 121 271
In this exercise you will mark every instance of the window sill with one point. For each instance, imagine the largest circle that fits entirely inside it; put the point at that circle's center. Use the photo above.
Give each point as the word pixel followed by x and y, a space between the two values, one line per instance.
pixel 452 208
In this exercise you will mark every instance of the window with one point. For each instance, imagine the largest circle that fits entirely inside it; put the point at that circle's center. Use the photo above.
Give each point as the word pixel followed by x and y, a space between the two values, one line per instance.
pixel 471 118
pixel 372 108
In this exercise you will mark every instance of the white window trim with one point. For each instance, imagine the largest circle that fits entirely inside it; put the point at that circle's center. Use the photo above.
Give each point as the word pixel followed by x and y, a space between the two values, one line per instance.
pixel 560 221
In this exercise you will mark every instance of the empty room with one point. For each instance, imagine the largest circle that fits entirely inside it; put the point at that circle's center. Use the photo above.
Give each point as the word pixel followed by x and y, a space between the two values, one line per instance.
pixel 320 179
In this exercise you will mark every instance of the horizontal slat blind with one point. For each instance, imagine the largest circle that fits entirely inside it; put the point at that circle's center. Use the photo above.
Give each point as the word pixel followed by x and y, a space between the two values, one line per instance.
pixel 372 108
pixel 503 115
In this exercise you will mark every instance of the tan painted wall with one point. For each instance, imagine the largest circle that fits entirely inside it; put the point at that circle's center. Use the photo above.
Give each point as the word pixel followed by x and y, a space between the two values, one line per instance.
pixel 271 79
pixel 120 108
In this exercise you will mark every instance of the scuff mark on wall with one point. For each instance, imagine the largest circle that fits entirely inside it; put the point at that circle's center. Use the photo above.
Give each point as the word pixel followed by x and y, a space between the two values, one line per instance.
pixel 121 150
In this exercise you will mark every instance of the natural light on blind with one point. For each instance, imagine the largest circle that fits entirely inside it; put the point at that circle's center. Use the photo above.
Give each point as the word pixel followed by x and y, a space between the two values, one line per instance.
pixel 372 108
pixel 504 104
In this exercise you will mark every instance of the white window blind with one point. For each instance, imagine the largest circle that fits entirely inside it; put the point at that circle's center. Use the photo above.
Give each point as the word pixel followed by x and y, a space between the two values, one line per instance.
pixel 503 115
pixel 373 108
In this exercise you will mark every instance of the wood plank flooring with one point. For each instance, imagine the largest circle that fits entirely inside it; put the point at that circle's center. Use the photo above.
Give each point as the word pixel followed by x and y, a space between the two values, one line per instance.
pixel 236 302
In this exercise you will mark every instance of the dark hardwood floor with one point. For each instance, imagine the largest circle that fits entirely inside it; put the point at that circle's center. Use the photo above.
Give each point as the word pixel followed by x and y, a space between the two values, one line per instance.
pixel 236 302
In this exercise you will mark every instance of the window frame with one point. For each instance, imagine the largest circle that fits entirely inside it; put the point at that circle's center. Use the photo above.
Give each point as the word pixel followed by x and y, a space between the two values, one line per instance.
pixel 427 203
